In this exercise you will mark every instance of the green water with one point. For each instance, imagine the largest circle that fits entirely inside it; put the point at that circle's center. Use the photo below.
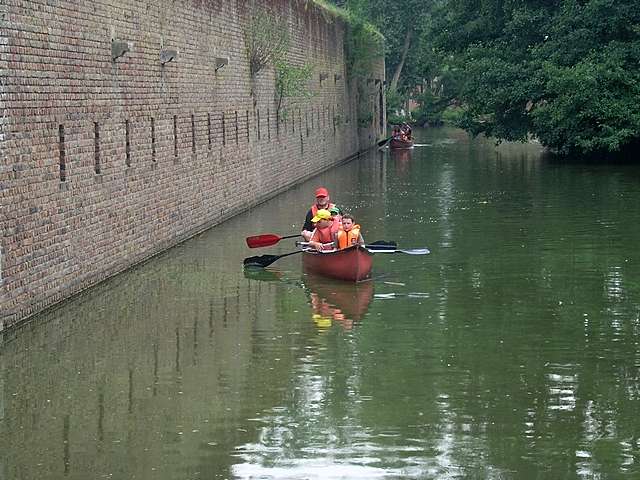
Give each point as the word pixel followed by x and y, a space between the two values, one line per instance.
pixel 511 352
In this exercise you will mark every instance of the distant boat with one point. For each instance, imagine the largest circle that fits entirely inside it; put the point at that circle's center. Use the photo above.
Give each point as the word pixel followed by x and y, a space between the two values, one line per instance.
pixel 399 143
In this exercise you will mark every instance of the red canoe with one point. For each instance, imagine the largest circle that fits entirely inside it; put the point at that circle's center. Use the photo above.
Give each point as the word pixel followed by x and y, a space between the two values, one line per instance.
pixel 351 264
pixel 397 143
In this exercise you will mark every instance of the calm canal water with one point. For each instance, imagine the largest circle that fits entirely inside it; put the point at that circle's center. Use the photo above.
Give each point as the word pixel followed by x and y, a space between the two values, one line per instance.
pixel 511 352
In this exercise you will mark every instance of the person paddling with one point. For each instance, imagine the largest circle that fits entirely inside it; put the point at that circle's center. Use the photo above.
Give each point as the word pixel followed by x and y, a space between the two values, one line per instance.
pixel 322 238
pixel 349 235
pixel 322 202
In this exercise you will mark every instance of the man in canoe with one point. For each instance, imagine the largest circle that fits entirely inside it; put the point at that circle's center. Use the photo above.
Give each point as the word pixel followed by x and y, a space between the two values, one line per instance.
pixel 322 202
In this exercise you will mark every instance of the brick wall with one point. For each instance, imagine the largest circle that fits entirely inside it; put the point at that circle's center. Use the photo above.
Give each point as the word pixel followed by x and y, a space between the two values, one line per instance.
pixel 105 162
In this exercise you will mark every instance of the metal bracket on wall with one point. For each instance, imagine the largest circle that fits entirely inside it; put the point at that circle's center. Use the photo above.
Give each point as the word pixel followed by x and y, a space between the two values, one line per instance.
pixel 336 77
pixel 323 76
pixel 221 62
pixel 118 49
pixel 167 55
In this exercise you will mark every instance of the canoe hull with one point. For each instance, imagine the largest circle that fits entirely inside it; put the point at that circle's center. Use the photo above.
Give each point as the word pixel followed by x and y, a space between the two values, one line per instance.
pixel 352 264
pixel 397 143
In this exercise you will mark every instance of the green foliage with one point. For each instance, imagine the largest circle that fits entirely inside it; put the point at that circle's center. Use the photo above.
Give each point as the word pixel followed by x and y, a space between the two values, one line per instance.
pixel 266 40
pixel 291 82
pixel 452 115
pixel 431 108
pixel 394 20
pixel 395 107
pixel 566 71
pixel 395 101
pixel 364 47
pixel 364 43
pixel 333 9
pixel 395 119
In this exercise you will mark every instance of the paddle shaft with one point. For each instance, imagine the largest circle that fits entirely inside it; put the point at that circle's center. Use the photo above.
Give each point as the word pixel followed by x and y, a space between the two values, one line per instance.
pixel 382 246
pixel 408 251
pixel 382 142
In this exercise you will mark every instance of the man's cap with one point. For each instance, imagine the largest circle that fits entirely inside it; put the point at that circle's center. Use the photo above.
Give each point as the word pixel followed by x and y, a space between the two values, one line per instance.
pixel 321 214
pixel 322 192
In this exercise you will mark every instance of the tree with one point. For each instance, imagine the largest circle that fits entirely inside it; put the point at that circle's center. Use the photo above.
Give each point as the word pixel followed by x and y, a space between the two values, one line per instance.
pixel 401 23
pixel 566 71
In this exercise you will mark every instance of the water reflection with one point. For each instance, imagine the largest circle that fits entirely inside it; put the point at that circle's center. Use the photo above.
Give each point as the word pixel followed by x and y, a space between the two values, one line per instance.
pixel 510 352
pixel 401 158
pixel 332 302
pixel 343 303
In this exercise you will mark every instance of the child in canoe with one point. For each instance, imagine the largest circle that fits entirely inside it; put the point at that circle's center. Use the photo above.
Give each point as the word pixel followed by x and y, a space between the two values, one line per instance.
pixel 336 216
pixel 349 234
pixel 322 238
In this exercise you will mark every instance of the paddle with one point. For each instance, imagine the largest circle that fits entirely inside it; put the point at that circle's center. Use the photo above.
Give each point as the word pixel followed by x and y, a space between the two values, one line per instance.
pixel 379 244
pixel 263 261
pixel 266 240
pixel 384 246
pixel 382 142
pixel 409 251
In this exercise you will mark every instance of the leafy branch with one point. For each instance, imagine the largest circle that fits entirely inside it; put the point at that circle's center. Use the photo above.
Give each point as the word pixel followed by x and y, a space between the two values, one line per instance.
pixel 266 40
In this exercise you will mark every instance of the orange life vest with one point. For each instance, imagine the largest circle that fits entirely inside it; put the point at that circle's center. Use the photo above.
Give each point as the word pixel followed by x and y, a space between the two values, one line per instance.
pixel 314 208
pixel 347 239
pixel 322 235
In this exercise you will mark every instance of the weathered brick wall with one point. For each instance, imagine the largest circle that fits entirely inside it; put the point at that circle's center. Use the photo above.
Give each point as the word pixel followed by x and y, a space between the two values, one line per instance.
pixel 106 162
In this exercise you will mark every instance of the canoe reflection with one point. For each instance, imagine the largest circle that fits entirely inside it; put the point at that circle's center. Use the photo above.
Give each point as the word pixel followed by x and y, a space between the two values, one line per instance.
pixel 337 302
pixel 332 301
pixel 401 158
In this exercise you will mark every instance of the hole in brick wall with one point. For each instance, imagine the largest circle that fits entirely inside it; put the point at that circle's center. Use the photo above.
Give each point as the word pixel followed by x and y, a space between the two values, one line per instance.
pixel 293 123
pixel 268 124
pixel 224 131
pixel 209 129
pixel 248 139
pixel 175 137
pixel 96 147
pixel 62 160
pixel 258 122
pixel 311 115
pixel 127 144
pixel 153 139
pixel 237 128
pixel 193 133
pixel 306 121
pixel 333 117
